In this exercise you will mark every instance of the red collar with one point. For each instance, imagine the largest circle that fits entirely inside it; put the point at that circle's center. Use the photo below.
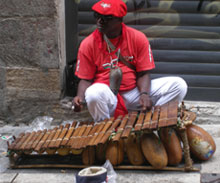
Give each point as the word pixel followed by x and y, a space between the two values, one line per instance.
pixel 98 36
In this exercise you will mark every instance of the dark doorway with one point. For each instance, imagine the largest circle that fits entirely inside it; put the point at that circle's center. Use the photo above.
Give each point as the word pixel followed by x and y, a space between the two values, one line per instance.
pixel 71 37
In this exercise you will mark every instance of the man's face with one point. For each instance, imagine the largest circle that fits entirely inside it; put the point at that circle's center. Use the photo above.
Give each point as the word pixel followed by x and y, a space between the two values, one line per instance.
pixel 107 23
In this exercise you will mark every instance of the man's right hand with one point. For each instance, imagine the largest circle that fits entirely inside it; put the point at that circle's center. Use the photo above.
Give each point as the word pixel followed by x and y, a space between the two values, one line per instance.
pixel 77 102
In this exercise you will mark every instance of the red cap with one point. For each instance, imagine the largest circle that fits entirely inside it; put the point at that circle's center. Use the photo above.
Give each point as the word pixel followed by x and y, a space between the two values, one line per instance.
pixel 116 8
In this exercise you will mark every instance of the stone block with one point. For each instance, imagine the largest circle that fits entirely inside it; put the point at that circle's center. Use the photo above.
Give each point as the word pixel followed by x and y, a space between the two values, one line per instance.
pixel 2 78
pixel 2 105
pixel 33 80
pixel 29 42
pixel 207 112
pixel 19 8
pixel 7 177
pixel 157 177
pixel 45 177
pixel 29 93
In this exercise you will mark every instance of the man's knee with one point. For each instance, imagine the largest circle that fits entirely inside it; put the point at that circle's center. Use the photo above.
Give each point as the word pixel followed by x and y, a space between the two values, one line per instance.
pixel 96 93
pixel 182 85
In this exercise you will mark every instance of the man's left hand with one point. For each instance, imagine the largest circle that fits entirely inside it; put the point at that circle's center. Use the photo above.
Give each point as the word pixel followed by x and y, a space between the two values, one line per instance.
pixel 145 102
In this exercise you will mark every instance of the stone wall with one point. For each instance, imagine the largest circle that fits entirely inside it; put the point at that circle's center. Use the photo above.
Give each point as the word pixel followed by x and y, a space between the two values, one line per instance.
pixel 31 58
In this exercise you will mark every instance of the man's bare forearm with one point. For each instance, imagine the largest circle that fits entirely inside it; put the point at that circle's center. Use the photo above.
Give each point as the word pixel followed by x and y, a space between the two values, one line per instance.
pixel 144 82
pixel 83 85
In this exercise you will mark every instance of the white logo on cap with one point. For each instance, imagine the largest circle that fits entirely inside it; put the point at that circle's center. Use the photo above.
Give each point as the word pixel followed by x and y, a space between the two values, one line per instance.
pixel 105 5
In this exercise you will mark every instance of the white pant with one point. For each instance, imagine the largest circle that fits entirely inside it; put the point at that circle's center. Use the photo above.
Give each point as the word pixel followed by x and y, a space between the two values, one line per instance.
pixel 102 102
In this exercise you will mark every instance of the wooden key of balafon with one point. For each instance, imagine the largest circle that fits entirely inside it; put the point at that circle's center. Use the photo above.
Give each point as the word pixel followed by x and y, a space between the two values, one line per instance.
pixel 38 139
pixel 129 125
pixel 27 140
pixel 74 135
pixel 29 144
pixel 155 118
pixel 77 138
pixel 139 122
pixel 101 126
pixel 85 134
pixel 68 135
pixel 147 120
pixel 104 130
pixel 163 116
pixel 19 144
pixel 89 137
pixel 172 112
pixel 55 137
pixel 16 141
pixel 98 125
pixel 42 141
pixel 61 136
pixel 111 129
pixel 49 139
pixel 121 128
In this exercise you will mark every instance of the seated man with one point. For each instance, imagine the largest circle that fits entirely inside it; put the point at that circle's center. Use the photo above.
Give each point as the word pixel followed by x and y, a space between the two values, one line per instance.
pixel 115 45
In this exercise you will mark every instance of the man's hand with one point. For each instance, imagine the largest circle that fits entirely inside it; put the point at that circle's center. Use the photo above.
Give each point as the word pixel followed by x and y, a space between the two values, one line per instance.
pixel 78 99
pixel 143 84
pixel 77 102
pixel 145 101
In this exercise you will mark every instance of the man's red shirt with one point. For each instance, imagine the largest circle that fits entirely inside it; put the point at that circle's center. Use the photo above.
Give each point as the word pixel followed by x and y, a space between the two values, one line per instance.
pixel 94 60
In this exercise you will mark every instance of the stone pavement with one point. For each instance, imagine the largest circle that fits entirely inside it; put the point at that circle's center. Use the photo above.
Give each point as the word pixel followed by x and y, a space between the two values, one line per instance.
pixel 209 170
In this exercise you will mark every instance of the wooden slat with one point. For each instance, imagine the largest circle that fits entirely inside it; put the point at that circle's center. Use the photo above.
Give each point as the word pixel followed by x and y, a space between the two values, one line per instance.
pixel 38 139
pixel 98 131
pixel 23 139
pixel 187 68
pixel 203 94
pixel 57 134
pixel 191 44
pixel 121 128
pixel 14 143
pixel 158 31
pixel 30 143
pixel 90 135
pixel 43 140
pixel 28 140
pixel 105 129
pixel 155 118
pixel 163 116
pixel 114 125
pixel 49 139
pixel 147 120
pixel 77 138
pixel 85 135
pixel 172 113
pixel 139 122
pixel 186 56
pixel 69 134
pixel 179 6
pixel 181 44
pixel 129 125
pixel 62 135
pixel 74 135
pixel 195 80
pixel 170 19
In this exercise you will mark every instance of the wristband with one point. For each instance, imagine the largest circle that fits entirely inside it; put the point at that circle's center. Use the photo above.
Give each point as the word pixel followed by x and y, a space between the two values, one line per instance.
pixel 144 93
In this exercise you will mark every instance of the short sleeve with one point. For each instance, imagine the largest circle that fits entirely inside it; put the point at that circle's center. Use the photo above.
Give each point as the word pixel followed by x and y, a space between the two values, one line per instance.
pixel 85 67
pixel 144 60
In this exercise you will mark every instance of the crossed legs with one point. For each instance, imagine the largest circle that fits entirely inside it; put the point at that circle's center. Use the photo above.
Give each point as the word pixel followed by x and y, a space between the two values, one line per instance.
pixel 102 102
